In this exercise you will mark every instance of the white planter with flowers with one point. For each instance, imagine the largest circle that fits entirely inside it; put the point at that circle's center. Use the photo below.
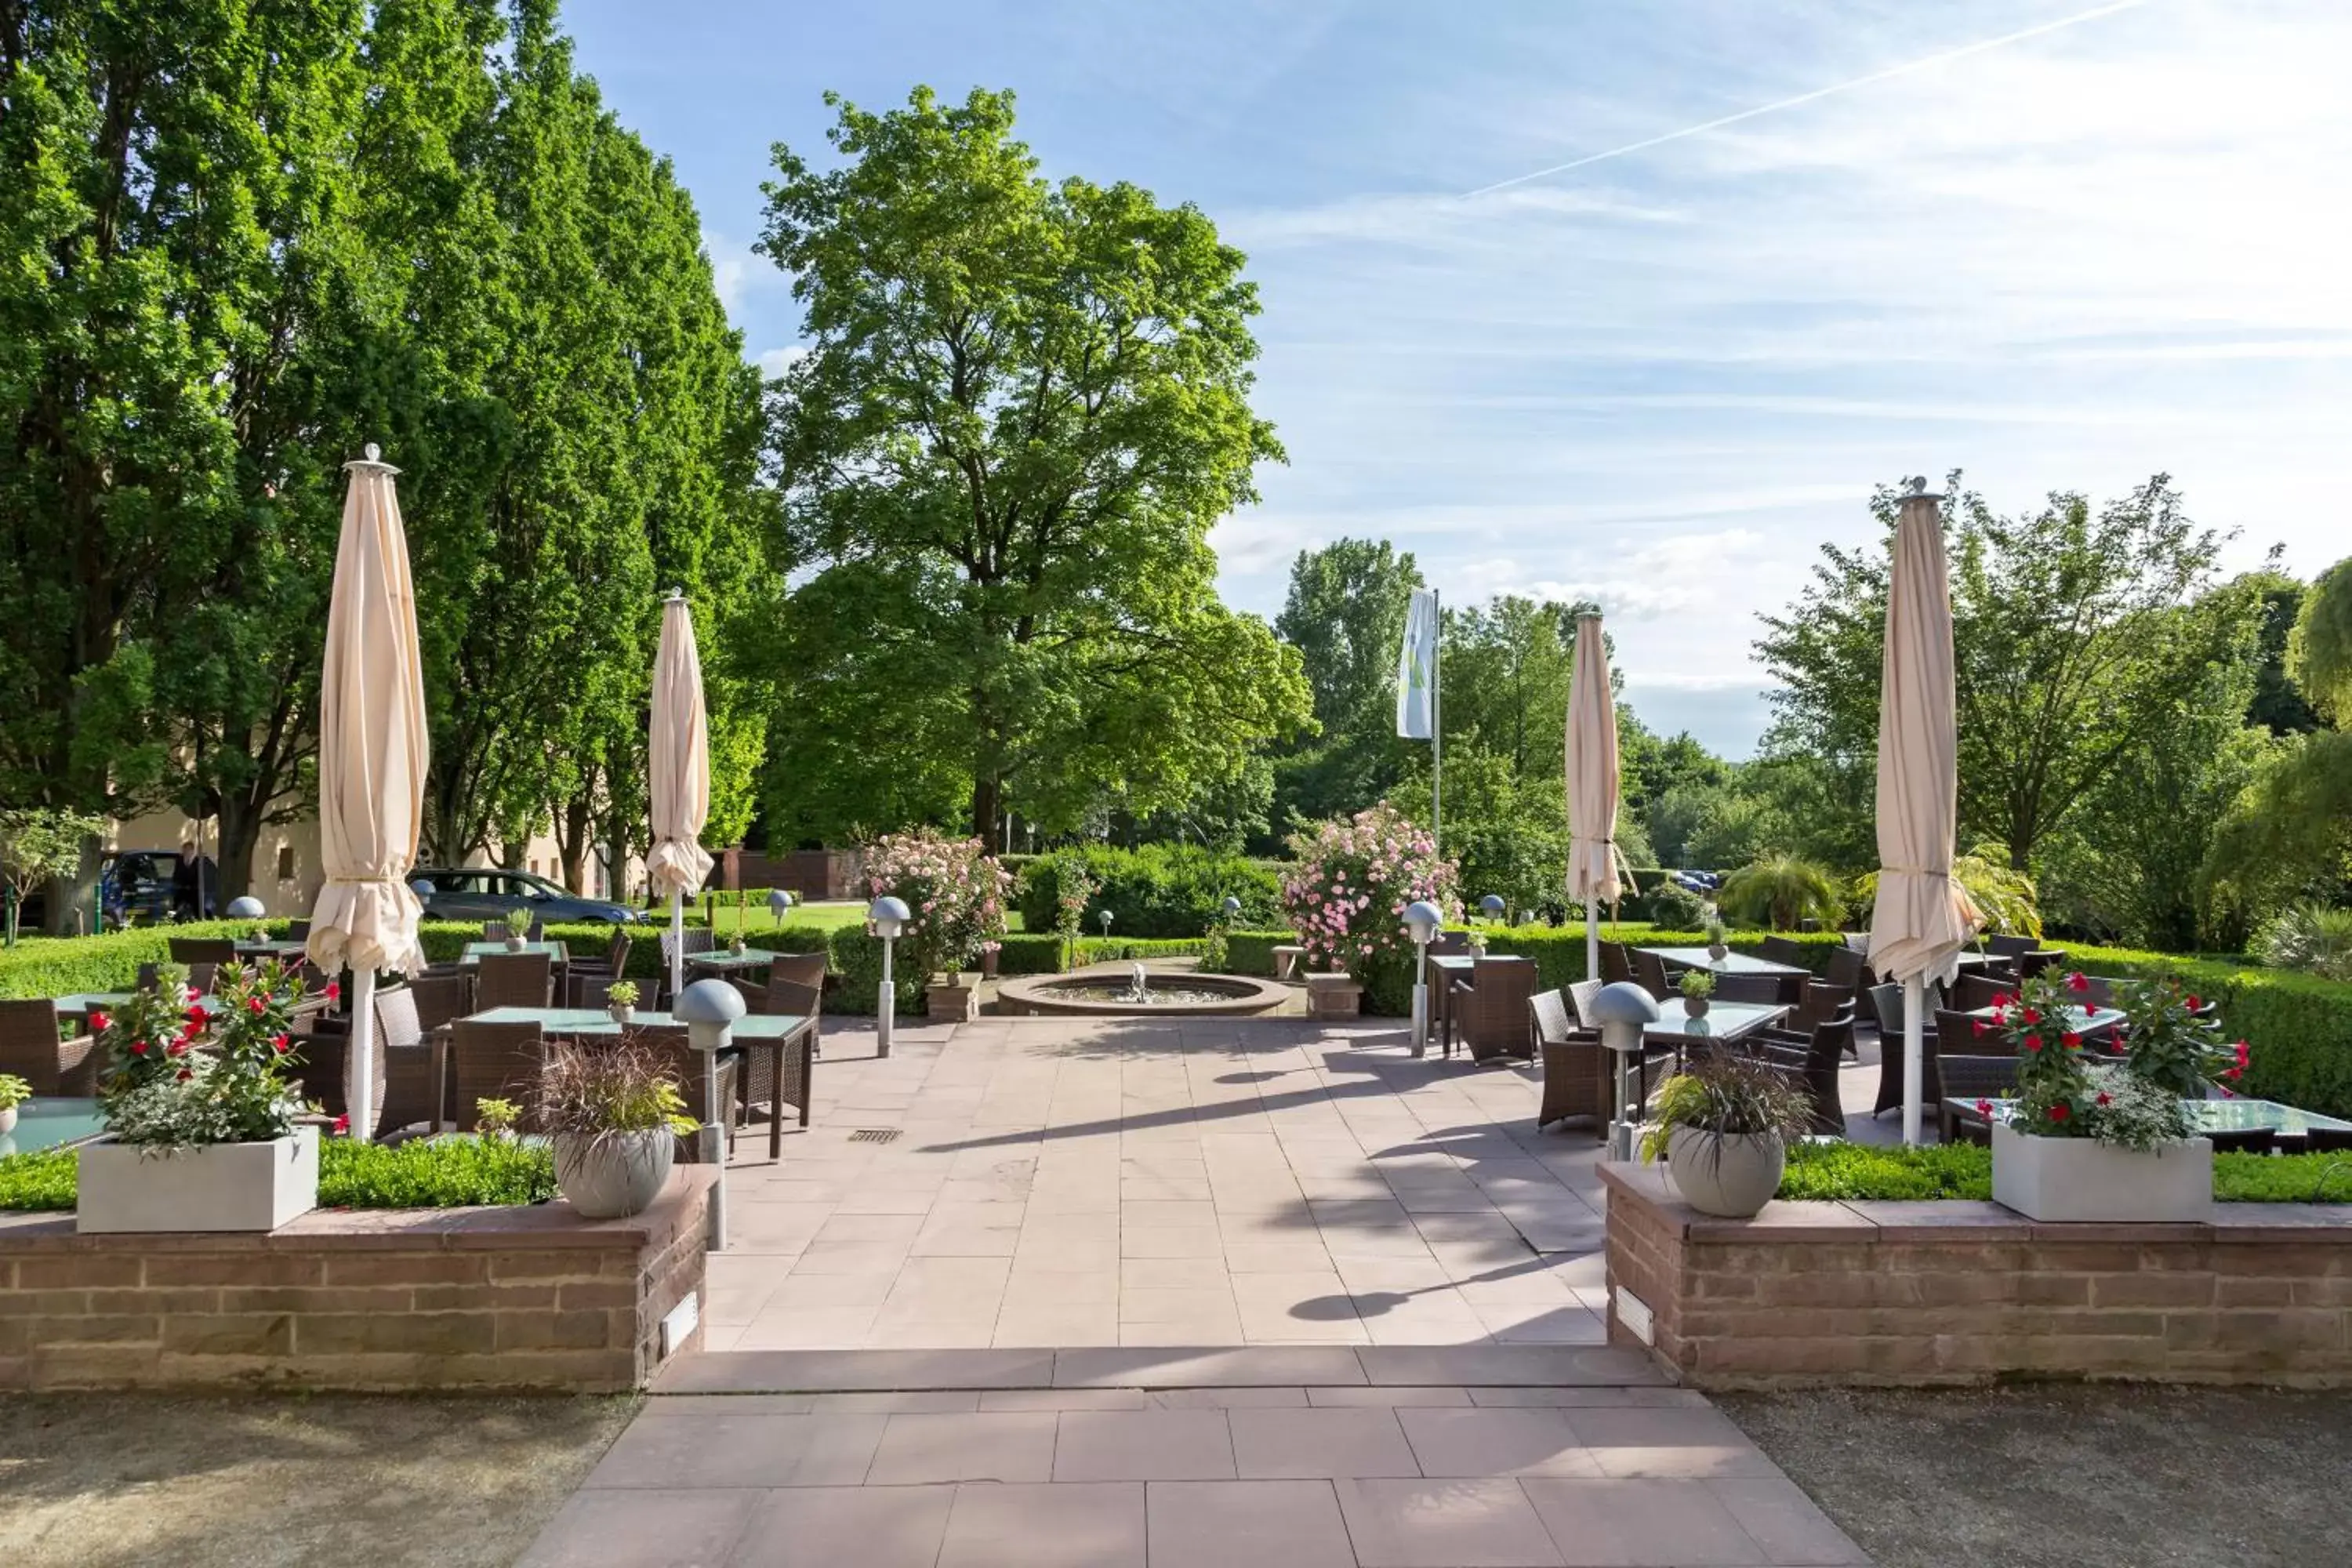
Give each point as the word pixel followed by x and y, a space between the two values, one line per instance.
pixel 201 1117
pixel 2111 1139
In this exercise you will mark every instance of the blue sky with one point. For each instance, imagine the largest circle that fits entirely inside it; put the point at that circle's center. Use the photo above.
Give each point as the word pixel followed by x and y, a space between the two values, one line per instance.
pixel 1661 379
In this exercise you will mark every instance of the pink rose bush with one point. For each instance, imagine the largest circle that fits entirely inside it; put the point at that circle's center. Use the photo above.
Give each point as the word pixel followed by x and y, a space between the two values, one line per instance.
pixel 955 893
pixel 1354 877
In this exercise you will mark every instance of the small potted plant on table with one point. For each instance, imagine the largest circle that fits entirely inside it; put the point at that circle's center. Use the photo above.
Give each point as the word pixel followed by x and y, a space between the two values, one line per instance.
pixel 2108 1140
pixel 614 1115
pixel 14 1092
pixel 1723 1125
pixel 202 1122
pixel 621 1000
pixel 1696 985
pixel 519 927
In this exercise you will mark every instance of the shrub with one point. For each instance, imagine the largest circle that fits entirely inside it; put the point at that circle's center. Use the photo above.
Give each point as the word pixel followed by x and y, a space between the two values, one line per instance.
pixel 1154 890
pixel 1782 892
pixel 1346 898
pixel 2309 937
pixel 423 1173
pixel 1666 904
pixel 954 894
pixel 176 1075
pixel 2006 899
pixel 1854 1172
pixel 1251 952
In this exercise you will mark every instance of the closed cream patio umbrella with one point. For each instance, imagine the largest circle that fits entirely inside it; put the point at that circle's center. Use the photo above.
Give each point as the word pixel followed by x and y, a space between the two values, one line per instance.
pixel 677 759
pixel 1923 918
pixel 373 751
pixel 1592 785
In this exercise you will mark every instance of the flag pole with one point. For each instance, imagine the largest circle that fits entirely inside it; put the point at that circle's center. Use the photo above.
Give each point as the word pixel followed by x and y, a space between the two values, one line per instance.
pixel 1437 725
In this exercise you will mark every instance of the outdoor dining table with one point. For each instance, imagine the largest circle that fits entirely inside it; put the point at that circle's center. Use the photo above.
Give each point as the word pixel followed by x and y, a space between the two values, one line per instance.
pixel 2080 1020
pixel 286 950
pixel 776 1032
pixel 2292 1124
pixel 1729 964
pixel 1724 1021
pixel 721 960
pixel 478 951
pixel 52 1121
pixel 1446 968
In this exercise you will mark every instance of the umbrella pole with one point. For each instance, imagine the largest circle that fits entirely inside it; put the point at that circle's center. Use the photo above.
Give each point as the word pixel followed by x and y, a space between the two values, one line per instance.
pixel 676 944
pixel 359 1064
pixel 1591 938
pixel 1914 1049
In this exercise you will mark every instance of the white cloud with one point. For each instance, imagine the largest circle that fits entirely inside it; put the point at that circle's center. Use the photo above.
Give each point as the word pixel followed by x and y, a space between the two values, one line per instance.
pixel 773 362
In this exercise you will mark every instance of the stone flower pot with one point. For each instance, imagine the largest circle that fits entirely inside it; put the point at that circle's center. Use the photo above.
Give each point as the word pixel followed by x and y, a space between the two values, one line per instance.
pixel 615 1175
pixel 621 1012
pixel 953 996
pixel 1731 1177
pixel 517 944
pixel 8 1120
pixel 212 1187
pixel 2083 1179
pixel 1716 951
pixel 1695 1006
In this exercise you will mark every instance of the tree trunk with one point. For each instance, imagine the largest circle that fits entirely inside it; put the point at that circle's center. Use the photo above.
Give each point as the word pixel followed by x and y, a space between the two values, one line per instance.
pixel 240 830
pixel 574 835
pixel 67 894
pixel 987 805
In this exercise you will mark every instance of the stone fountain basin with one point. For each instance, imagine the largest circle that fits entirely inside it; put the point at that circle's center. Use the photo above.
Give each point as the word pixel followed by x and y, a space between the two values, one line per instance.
pixel 1069 996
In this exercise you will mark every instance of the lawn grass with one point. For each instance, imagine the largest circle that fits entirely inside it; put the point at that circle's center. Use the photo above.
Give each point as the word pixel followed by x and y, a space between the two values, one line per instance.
pixel 1856 1172
pixel 724 916
pixel 422 1174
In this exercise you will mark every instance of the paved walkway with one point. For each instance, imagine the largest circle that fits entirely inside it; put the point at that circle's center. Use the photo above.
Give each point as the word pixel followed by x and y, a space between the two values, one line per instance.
pixel 1134 1293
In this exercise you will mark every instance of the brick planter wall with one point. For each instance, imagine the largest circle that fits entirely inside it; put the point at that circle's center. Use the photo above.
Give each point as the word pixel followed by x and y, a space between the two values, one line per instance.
pixel 488 1297
pixel 1971 1292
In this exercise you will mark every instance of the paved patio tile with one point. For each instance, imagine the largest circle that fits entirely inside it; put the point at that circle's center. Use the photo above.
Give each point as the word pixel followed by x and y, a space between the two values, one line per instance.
pixel 1096 1525
pixel 670 1452
pixel 1444 1524
pixel 1246 1524
pixel 1785 1522
pixel 1643 1524
pixel 1318 1443
pixel 1484 1442
pixel 874 1527
pixel 1669 1442
pixel 621 1530
pixel 997 1447
pixel 1144 1446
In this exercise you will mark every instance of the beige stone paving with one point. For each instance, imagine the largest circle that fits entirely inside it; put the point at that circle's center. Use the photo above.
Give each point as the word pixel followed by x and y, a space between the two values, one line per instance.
pixel 1071 1183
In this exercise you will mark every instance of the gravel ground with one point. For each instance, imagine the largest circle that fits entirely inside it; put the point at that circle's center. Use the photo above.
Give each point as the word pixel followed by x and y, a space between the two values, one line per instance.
pixel 101 1480
pixel 2087 1476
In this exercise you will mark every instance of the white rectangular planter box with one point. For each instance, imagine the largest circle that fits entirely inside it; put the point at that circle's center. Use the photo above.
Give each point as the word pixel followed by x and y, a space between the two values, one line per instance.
pixel 219 1186
pixel 2083 1179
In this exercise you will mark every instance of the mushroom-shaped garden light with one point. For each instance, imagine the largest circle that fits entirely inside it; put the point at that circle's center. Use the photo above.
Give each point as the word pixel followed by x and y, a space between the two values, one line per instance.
pixel 887 916
pixel 1422 920
pixel 708 1009
pixel 1622 1009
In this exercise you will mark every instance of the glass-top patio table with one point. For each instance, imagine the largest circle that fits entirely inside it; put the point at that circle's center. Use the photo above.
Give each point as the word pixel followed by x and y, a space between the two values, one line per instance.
pixel 2290 1122
pixel 2081 1020
pixel 1724 1021
pixel 719 961
pixel 478 951
pixel 774 1032
pixel 52 1121
pixel 286 949
pixel 1729 964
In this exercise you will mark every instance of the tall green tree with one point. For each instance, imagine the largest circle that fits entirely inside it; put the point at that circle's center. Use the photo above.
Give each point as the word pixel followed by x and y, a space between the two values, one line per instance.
pixel 1022 407
pixel 2066 630
pixel 1345 613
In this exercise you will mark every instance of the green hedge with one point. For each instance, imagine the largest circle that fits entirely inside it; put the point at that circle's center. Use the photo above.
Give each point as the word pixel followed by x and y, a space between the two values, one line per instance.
pixel 1251 952
pixel 423 1173
pixel 1156 890
pixel 1857 1173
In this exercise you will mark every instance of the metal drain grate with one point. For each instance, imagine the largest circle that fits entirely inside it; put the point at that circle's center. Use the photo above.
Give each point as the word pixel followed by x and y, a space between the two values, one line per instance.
pixel 875 1135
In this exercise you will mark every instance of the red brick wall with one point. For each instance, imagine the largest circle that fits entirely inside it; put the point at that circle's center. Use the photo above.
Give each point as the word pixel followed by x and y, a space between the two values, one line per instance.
pixel 804 873
pixel 518 1299
pixel 1968 1292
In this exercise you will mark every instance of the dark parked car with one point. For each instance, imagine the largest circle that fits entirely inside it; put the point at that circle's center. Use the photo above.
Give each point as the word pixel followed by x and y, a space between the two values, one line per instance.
pixel 487 893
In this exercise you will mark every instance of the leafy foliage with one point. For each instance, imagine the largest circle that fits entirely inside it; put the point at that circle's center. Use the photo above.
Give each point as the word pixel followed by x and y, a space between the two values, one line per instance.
pixel 2170 1056
pixel 178 1074
pixel 434 1174
pixel 37 843
pixel 954 892
pixel 2313 938
pixel 1347 894
pixel 1857 1171
pixel 606 1089
pixel 1153 891
pixel 1782 892
pixel 1022 407
pixel 1724 1094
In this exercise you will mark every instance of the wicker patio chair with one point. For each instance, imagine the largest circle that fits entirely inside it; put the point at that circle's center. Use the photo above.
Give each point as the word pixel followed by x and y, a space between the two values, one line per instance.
pixel 1650 974
pixel 298 930
pixel 1762 990
pixel 609 968
pixel 493 1061
pixel 410 1095
pixel 1579 1002
pixel 1971 991
pixel 1810 1065
pixel 801 968
pixel 323 1044
pixel 1886 1006
pixel 692 1069
pixel 2328 1140
pixel 441 998
pixel 696 939
pixel 2032 963
pixel 1492 1008
pixel 2245 1141
pixel 1822 1003
pixel 1575 1067
pixel 2008 945
pixel 788 998
pixel 1857 942
pixel 33 1046
pixel 1781 950
pixel 200 950
pixel 1615 963
pixel 513 980
pixel 1849 968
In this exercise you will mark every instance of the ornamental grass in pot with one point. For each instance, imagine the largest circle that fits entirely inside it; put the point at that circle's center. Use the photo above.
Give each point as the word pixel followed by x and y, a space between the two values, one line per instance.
pixel 614 1115
pixel 1723 1125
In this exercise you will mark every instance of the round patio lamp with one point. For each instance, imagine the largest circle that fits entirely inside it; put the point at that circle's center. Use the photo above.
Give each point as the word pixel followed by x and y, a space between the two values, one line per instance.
pixel 1622 1009
pixel 421 887
pixel 779 901
pixel 708 1009
pixel 248 908
pixel 1492 906
pixel 1105 919
pixel 887 916
pixel 1233 907
pixel 1422 920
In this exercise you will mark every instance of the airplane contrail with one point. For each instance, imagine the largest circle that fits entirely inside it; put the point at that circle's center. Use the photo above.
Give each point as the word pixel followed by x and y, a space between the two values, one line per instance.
pixel 1935 60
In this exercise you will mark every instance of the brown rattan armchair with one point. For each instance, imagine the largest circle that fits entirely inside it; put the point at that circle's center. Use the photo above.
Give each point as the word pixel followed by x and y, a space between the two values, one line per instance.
pixel 441 998
pixel 607 969
pixel 493 1061
pixel 1575 1067
pixel 2035 961
pixel 793 999
pixel 1850 969
pixel 1808 1061
pixel 193 950
pixel 33 1046
pixel 1782 949
pixel 1822 1003
pixel 1650 974
pixel 1762 990
pixel 692 1069
pixel 1886 1006
pixel 1971 991
pixel 1615 963
pixel 1491 1008
pixel 513 980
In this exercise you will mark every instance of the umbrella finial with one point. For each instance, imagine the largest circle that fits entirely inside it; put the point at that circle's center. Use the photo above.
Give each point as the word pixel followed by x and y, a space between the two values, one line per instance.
pixel 677 593
pixel 374 453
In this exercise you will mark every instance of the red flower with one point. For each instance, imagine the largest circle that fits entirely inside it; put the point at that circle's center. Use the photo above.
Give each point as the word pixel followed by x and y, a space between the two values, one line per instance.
pixel 99 1022
pixel 255 1004
pixel 176 1048
pixel 2242 1053
pixel 2106 1099
pixel 2033 1042
pixel 1984 1108
pixel 1980 1026
pixel 277 1043
pixel 197 1015
pixel 2061 1112
pixel 2233 1072
pixel 2031 1016
pixel 332 990
pixel 138 1047
pixel 2194 1004
pixel 2078 980
pixel 343 1125
pixel 185 1074
pixel 2073 1041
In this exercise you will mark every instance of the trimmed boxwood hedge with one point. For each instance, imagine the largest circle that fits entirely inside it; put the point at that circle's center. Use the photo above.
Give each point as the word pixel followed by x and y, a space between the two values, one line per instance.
pixel 1158 890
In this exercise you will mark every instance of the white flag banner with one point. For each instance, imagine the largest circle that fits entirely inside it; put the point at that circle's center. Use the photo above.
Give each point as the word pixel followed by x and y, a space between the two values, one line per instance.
pixel 1417 669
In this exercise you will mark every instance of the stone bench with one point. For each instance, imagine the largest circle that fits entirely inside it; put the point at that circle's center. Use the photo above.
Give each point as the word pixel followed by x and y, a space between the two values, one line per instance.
pixel 1333 996
pixel 1289 960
